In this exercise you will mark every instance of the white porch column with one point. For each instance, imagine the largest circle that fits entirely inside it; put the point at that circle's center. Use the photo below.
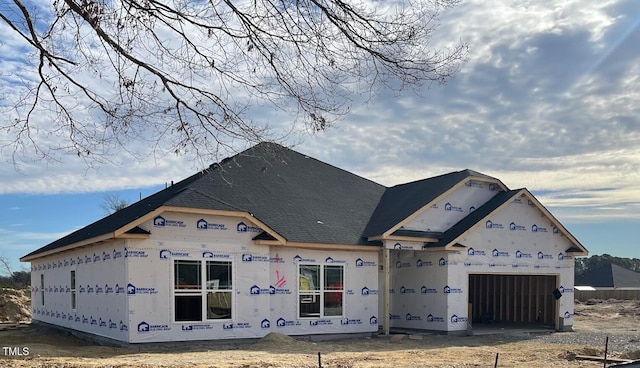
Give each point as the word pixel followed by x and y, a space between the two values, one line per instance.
pixel 386 310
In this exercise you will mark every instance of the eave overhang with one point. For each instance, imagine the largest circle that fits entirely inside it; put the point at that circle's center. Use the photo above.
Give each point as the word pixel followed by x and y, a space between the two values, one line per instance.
pixel 133 231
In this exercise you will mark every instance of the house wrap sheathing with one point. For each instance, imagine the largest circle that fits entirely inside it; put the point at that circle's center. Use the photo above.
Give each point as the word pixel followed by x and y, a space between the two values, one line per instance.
pixel 271 240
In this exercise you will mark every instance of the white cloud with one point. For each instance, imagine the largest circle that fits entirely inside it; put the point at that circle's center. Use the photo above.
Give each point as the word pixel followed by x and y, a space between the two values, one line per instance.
pixel 547 101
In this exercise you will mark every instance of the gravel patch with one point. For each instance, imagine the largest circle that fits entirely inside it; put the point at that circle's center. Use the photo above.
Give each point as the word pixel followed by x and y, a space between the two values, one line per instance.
pixel 624 343
pixel 618 343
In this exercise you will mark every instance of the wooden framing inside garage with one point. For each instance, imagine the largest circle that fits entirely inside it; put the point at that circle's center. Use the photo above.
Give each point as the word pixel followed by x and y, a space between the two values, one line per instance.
pixel 513 299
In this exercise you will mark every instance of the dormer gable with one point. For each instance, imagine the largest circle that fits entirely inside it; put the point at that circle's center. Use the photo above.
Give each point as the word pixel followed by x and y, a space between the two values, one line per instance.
pixel 509 213
pixel 423 210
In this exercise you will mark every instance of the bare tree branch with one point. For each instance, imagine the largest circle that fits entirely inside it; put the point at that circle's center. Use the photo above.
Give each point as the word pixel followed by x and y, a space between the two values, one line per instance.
pixel 112 203
pixel 5 264
pixel 189 77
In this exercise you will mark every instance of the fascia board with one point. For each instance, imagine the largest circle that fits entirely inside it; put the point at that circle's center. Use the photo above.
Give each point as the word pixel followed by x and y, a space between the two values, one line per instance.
pixel 90 241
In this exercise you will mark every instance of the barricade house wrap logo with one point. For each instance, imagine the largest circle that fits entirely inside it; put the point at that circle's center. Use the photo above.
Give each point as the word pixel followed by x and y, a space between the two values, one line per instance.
pixel 132 290
pixel 209 254
pixel 400 264
pixel 538 229
pixel 421 263
pixel 449 207
pixel 160 221
pixel 515 227
pixel 474 252
pixel 254 258
pixel 449 290
pixel 274 290
pixel 241 227
pixel 265 323
pixel 456 319
pixel 366 291
pixel 333 260
pixel 144 327
pixel 405 290
pixel 433 319
pixel 426 290
pixel 298 258
pixel 256 290
pixel 203 224
pixel 542 255
pixel 444 262
pixel 166 254
pixel 281 322
pixel 361 263
pixel 520 254
pixel 498 253
pixel 492 225
pixel 563 289
pixel 134 253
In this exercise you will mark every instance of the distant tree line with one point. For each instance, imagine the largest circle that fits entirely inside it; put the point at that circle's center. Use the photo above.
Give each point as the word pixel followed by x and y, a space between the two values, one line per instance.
pixel 13 279
pixel 591 263
pixel 17 279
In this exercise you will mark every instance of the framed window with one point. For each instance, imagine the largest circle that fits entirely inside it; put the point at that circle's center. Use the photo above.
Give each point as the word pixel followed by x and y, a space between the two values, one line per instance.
pixel 192 301
pixel 320 290
pixel 187 290
pixel 73 289
pixel 333 290
pixel 42 288
pixel 219 290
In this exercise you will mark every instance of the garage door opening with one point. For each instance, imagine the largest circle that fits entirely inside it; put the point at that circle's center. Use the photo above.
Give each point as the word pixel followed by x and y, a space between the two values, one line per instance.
pixel 512 299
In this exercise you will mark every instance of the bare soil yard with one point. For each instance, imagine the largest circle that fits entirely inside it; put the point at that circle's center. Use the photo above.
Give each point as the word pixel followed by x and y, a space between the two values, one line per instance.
pixel 620 320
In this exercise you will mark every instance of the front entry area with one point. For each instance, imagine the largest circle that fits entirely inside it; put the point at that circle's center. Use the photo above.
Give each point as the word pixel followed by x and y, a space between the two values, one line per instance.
pixel 512 299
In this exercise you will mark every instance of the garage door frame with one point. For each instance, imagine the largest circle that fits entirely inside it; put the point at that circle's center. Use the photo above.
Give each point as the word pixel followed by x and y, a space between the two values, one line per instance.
pixel 514 299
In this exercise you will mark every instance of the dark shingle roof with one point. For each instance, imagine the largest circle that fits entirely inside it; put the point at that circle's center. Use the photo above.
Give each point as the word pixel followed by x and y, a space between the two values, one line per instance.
pixel 297 196
pixel 300 198
pixel 610 275
pixel 400 201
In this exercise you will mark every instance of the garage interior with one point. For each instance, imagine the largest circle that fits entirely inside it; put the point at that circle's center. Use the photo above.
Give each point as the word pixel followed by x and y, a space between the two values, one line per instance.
pixel 512 299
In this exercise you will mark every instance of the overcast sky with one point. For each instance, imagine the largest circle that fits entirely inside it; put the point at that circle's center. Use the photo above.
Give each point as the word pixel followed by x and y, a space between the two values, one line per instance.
pixel 549 100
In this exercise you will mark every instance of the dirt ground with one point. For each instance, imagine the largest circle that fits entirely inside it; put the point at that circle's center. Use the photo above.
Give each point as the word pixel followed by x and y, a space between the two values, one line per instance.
pixel 515 348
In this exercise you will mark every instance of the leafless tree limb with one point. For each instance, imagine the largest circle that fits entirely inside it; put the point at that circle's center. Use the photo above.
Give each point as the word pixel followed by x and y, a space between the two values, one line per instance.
pixel 186 76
